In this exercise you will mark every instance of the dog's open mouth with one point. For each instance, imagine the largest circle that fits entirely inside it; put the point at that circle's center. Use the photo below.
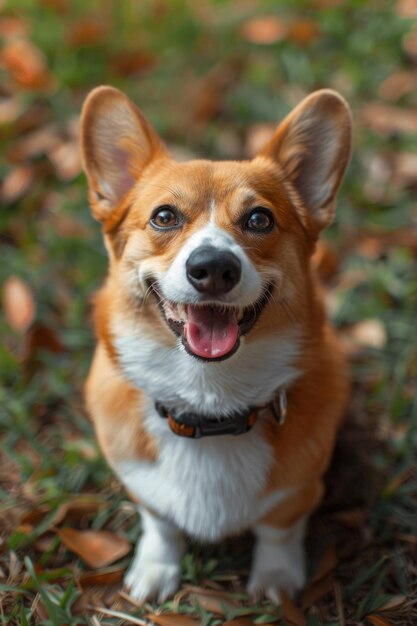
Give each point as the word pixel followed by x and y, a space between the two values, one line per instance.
pixel 209 331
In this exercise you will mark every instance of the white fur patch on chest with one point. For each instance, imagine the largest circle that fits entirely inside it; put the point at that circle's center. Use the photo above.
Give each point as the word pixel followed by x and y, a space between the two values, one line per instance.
pixel 251 377
pixel 209 487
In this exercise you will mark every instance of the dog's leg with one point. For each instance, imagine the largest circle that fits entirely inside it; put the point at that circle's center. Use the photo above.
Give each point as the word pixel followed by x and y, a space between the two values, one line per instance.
pixel 279 560
pixel 156 568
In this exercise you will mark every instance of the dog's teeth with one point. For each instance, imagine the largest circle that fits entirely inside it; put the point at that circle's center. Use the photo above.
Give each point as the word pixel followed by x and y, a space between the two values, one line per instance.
pixel 182 314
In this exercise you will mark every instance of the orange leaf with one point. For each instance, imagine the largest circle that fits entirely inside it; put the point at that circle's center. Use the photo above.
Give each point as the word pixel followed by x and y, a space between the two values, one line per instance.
pixel 104 577
pixel 17 183
pixel 26 64
pixel 377 620
pixel 265 30
pixel 304 32
pixel 18 303
pixel 97 548
pixel 214 601
pixel 172 619
pixel 292 615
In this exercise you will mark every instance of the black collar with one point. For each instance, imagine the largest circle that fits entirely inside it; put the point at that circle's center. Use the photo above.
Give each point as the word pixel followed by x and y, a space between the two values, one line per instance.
pixel 195 426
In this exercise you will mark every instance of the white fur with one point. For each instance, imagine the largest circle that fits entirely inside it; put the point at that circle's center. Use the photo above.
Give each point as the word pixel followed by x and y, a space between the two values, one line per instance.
pixel 156 568
pixel 172 376
pixel 278 561
pixel 210 487
pixel 177 288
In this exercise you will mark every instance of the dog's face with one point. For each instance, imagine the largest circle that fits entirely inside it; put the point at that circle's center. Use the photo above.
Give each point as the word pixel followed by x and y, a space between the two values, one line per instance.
pixel 216 250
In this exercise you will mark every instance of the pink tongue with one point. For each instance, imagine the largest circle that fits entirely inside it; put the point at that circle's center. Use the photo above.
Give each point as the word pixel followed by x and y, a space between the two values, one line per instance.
pixel 210 333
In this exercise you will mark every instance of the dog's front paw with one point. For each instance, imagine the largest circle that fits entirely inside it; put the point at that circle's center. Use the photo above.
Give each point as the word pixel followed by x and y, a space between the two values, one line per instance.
pixel 150 580
pixel 278 563
pixel 156 569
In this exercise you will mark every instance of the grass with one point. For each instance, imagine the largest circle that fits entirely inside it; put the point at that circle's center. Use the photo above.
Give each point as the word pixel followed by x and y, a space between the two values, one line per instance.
pixel 206 88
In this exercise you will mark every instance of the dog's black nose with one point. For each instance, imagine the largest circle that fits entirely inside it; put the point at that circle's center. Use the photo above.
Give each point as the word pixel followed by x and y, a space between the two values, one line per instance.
pixel 213 271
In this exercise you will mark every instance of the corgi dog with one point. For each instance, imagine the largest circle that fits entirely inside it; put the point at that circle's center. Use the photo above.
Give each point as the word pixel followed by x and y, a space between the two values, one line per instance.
pixel 218 383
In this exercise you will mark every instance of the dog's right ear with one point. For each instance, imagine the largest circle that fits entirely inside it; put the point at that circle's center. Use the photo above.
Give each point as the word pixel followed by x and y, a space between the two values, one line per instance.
pixel 117 143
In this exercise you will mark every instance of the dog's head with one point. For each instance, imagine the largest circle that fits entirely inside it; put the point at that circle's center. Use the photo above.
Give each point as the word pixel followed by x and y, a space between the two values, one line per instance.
pixel 218 250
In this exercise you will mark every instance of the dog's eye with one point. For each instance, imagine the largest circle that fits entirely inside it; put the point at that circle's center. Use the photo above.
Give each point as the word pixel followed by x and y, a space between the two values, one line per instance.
pixel 260 221
pixel 165 217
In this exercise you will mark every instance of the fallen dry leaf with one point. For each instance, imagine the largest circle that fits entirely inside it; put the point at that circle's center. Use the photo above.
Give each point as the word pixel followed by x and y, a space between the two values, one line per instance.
pixel 264 30
pixel 406 8
pixel 397 85
pixel 293 616
pixel 303 32
pixel 16 184
pixel 327 563
pixel 66 160
pixel 369 333
pixel 258 135
pixel 213 601
pixel 393 603
pixel 386 119
pixel 405 169
pixel 97 548
pixel 172 619
pixel 26 64
pixel 89 31
pixel 131 62
pixel 38 338
pixel 325 260
pixel 18 304
pixel 316 591
pixel 378 620
pixel 104 577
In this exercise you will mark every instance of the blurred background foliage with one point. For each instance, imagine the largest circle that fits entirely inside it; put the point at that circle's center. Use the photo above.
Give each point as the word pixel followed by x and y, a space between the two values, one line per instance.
pixel 214 77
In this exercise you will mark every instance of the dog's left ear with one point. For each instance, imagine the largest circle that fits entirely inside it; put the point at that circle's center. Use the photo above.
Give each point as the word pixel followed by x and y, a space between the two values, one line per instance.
pixel 312 148
pixel 117 144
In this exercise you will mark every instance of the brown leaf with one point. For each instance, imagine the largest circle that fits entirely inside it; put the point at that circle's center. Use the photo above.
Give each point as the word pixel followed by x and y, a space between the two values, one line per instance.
pixel 26 64
pixel 325 260
pixel 303 32
pixel 405 169
pixel 40 337
pixel 97 548
pixel 66 159
pixel 316 591
pixel 213 601
pixel 292 615
pixel 172 619
pixel 393 603
pixel 264 30
pixel 353 518
pixel 369 334
pixel 377 620
pixel 89 31
pixel 240 621
pixel 103 577
pixel 34 144
pixel 387 119
pixel 17 184
pixel 10 109
pixel 406 8
pixel 327 563
pixel 131 62
pixel 18 304
pixel 257 137
pixel 398 84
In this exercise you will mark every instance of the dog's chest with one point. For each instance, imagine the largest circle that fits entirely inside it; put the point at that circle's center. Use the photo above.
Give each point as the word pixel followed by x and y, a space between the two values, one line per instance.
pixel 210 487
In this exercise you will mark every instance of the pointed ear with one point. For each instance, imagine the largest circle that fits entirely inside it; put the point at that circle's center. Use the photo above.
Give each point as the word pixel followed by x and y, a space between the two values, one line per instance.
pixel 117 143
pixel 312 148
